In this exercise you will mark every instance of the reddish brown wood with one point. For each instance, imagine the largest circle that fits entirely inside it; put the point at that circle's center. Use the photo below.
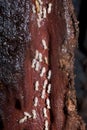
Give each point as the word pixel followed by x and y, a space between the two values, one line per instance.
pixel 21 37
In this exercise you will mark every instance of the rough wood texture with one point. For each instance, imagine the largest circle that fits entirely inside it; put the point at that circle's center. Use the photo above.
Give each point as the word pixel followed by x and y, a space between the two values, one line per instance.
pixel 38 38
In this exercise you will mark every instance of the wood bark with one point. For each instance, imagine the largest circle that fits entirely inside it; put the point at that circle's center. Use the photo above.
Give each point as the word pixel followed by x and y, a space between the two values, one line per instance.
pixel 38 38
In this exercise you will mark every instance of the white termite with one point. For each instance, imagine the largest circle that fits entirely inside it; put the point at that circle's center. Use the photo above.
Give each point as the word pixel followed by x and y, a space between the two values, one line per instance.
pixel 42 71
pixel 37 66
pixel 43 94
pixel 40 1
pixel 27 114
pixel 44 12
pixel 39 19
pixel 45 112
pixel 48 103
pixel 40 12
pixel 49 74
pixel 45 83
pixel 39 23
pixel 33 9
pixel 37 85
pixel 49 88
pixel 44 44
pixel 34 114
pixel 40 57
pixel 23 120
pixel 49 8
pixel 35 101
pixel 33 63
pixel 46 125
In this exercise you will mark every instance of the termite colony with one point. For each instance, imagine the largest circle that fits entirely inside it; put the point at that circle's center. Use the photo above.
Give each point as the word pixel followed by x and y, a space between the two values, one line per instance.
pixel 41 11
pixel 40 65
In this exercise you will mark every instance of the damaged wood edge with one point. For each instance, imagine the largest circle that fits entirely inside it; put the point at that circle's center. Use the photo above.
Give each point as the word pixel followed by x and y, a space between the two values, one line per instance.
pixel 66 65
